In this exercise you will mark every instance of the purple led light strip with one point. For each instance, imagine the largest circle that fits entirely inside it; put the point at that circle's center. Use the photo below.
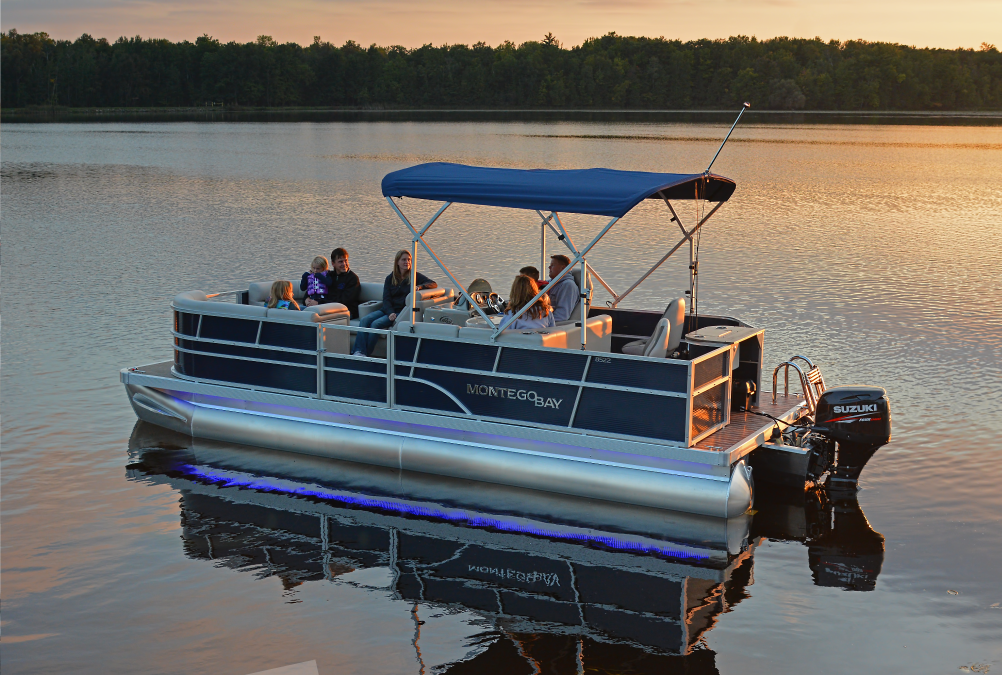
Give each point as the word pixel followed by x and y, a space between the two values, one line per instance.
pixel 471 520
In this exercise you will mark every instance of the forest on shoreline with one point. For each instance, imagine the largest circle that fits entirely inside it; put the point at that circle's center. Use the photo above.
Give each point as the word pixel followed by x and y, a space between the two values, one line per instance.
pixel 609 72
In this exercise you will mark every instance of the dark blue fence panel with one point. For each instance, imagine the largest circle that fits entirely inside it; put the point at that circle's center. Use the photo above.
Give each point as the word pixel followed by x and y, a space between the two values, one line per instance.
pixel 459 354
pixel 350 385
pixel 252 373
pixel 640 374
pixel 633 414
pixel 522 400
pixel 419 395
pixel 289 335
pixel 250 352
pixel 560 366
pixel 225 328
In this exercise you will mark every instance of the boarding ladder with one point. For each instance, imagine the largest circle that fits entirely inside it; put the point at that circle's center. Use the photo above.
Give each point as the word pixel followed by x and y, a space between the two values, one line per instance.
pixel 812 382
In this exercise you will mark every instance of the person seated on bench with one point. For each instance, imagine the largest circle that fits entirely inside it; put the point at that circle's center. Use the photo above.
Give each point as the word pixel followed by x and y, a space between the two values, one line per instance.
pixel 314 283
pixel 564 295
pixel 395 290
pixel 281 296
pixel 345 286
pixel 533 274
pixel 540 315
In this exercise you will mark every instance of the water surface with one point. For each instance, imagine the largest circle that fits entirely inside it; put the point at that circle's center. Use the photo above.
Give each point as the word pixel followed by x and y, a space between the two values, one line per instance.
pixel 873 249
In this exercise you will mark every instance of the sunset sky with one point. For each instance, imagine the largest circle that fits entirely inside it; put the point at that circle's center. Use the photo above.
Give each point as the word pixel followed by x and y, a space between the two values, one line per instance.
pixel 923 23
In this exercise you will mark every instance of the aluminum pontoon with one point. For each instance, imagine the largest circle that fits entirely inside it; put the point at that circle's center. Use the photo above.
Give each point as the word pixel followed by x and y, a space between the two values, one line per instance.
pixel 660 409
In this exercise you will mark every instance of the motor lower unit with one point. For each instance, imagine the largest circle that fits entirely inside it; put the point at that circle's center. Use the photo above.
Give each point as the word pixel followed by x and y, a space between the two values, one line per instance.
pixel 858 419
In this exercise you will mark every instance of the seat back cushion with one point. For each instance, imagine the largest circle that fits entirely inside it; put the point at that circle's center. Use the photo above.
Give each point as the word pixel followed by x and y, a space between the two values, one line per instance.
pixel 657 346
pixel 590 288
pixel 370 291
pixel 675 314
pixel 259 292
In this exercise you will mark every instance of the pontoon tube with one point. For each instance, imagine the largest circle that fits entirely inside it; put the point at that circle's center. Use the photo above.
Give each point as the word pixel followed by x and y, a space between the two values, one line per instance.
pixel 710 495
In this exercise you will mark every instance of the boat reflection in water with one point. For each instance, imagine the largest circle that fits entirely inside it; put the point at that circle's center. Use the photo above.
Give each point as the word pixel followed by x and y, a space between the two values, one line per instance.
pixel 567 582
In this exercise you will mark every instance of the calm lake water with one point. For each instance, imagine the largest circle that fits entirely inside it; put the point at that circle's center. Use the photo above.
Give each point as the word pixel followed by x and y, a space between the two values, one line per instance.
pixel 873 249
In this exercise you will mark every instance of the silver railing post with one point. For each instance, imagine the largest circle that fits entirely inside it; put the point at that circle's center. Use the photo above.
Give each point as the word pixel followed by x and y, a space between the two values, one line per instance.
pixel 413 283
pixel 320 360
pixel 391 355
pixel 542 248
pixel 583 293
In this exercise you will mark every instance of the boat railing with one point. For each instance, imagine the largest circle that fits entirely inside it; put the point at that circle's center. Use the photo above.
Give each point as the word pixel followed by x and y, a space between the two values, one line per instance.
pixel 663 401
pixel 812 383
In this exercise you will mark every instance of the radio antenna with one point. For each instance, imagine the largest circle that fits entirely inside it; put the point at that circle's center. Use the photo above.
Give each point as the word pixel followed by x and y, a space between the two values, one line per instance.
pixel 744 106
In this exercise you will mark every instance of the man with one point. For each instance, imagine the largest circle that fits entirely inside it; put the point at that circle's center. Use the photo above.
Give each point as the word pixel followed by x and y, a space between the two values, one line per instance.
pixel 564 295
pixel 344 285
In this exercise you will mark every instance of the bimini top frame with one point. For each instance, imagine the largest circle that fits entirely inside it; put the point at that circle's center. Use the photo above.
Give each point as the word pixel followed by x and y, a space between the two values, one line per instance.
pixel 601 192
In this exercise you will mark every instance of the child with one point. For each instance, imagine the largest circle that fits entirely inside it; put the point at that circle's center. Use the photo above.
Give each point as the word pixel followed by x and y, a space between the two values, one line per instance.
pixel 281 296
pixel 533 274
pixel 315 282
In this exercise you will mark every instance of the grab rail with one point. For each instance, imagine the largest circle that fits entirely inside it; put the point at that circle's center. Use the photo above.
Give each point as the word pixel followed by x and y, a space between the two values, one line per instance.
pixel 812 383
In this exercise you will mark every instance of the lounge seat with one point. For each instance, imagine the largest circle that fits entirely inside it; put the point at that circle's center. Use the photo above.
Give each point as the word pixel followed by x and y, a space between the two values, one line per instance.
pixel 561 337
pixel 330 314
pixel 667 334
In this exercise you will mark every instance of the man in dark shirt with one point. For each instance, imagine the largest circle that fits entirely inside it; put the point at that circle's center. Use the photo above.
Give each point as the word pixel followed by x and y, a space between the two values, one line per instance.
pixel 344 285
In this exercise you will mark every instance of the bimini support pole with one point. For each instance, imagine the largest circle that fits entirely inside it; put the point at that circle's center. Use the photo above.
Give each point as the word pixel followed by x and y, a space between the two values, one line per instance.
pixel 563 272
pixel 583 295
pixel 685 238
pixel 542 245
pixel 591 270
pixel 434 256
pixel 692 254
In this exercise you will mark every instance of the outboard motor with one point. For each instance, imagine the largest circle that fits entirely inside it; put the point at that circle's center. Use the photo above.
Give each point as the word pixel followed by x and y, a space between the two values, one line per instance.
pixel 858 418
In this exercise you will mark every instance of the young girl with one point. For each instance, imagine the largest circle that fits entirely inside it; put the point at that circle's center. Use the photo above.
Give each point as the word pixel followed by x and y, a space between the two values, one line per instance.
pixel 540 315
pixel 281 296
pixel 315 282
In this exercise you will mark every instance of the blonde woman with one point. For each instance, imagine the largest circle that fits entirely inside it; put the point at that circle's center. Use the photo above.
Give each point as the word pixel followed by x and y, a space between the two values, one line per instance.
pixel 281 296
pixel 540 315
pixel 395 290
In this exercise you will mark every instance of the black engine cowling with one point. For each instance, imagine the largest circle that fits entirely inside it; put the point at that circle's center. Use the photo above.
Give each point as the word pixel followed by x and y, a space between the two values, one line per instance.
pixel 859 419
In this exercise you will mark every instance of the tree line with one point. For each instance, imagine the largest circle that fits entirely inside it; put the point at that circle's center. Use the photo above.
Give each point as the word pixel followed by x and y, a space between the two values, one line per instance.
pixel 611 71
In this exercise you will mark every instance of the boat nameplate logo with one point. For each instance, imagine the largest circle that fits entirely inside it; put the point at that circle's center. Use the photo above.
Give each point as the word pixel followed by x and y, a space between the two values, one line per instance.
pixel 518 394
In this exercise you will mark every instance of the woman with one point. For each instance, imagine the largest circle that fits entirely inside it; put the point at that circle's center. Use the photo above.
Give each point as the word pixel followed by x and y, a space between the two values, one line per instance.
pixel 395 290
pixel 540 315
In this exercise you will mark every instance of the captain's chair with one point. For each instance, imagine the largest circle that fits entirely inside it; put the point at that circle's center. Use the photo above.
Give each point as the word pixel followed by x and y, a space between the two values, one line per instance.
pixel 575 315
pixel 667 334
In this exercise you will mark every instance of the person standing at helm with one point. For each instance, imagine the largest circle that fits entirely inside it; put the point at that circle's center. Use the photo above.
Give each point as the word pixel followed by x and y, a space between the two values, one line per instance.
pixel 564 295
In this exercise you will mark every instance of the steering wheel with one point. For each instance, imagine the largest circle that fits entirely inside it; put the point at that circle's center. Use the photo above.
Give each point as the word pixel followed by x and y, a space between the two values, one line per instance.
pixel 496 303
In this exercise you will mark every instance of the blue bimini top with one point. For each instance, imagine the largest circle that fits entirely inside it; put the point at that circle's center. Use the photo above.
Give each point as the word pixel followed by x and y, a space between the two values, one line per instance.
pixel 600 192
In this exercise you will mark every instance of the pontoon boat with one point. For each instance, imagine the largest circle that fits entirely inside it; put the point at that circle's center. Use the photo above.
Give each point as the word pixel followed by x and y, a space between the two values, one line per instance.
pixel 650 407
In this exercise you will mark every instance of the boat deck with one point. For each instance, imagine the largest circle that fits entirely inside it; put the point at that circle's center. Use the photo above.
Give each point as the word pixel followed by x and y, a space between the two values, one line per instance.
pixel 748 431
